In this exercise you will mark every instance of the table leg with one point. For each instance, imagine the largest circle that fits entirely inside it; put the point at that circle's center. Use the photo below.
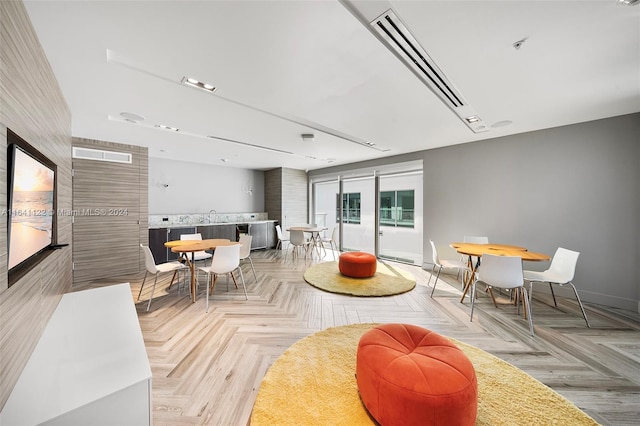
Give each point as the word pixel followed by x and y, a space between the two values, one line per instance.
pixel 192 266
pixel 470 277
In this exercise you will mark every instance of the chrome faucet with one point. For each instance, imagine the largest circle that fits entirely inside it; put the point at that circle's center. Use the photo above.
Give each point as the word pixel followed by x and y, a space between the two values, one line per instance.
pixel 211 211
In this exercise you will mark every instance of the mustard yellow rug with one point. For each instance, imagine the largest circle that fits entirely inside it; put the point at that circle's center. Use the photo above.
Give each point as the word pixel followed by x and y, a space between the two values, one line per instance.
pixel 387 281
pixel 313 383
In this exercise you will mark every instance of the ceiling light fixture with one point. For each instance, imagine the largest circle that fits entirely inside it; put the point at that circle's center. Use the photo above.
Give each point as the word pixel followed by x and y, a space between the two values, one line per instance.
pixel 308 137
pixel 472 119
pixel 198 84
pixel 162 126
pixel 132 117
pixel 629 2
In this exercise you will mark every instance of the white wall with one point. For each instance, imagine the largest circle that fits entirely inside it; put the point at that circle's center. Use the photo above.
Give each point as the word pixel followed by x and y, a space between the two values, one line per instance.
pixel 198 188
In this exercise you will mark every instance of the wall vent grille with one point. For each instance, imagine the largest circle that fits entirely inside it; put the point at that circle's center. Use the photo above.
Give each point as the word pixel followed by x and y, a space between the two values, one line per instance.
pixel 100 155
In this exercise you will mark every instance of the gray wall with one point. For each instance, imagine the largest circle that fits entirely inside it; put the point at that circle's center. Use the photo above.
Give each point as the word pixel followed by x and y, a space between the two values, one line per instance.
pixel 198 188
pixel 575 186
pixel 32 105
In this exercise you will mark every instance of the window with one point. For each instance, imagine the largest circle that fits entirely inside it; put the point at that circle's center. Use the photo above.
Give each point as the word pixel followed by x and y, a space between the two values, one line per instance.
pixel 397 208
pixel 350 208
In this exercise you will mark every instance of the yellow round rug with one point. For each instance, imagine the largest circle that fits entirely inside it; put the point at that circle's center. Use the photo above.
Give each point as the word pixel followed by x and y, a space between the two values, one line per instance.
pixel 387 281
pixel 313 383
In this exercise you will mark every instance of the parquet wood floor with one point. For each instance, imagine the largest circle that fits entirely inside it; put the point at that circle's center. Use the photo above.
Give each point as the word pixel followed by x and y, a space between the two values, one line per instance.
pixel 207 367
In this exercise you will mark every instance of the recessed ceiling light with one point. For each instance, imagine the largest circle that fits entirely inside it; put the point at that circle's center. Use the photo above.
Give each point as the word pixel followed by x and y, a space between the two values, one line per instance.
pixel 308 137
pixel 502 123
pixel 130 116
pixel 198 84
pixel 629 2
pixel 472 119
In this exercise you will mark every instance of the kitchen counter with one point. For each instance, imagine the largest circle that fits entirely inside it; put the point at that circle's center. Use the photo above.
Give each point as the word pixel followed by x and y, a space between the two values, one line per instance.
pixel 191 225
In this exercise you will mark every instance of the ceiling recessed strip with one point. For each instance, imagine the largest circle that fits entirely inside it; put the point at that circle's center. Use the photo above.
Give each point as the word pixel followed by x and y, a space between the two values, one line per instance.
pixel 400 40
pixel 395 35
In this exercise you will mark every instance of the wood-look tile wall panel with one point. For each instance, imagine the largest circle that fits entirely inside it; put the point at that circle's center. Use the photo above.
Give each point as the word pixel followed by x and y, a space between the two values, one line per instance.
pixel 31 105
pixel 106 242
pixel 294 197
pixel 273 194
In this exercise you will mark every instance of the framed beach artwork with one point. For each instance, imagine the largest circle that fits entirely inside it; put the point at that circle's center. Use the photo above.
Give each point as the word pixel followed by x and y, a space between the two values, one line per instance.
pixel 31 190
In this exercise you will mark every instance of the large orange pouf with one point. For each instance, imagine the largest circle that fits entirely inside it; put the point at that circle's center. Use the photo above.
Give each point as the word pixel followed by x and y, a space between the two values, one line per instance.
pixel 408 375
pixel 357 264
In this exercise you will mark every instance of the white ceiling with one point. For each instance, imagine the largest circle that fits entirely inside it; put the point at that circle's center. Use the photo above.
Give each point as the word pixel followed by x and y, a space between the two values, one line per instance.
pixel 284 68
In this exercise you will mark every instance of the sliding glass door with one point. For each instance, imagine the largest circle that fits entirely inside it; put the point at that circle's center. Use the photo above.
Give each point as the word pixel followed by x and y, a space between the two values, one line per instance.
pixel 358 214
pixel 400 217
pixel 379 213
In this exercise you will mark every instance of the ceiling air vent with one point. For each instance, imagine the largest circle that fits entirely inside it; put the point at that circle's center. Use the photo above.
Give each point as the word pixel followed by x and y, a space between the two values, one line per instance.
pixel 100 155
pixel 397 37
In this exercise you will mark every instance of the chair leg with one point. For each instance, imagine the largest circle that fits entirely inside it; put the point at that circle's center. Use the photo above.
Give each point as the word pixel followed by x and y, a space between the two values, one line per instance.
pixel 553 295
pixel 206 308
pixel 142 286
pixel 525 300
pixel 473 299
pixel 246 297
pixel 430 275
pixel 254 271
pixel 152 290
pixel 584 314
pixel 436 281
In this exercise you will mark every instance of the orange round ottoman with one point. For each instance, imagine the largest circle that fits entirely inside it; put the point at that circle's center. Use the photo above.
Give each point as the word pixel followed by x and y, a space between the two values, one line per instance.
pixel 408 375
pixel 357 264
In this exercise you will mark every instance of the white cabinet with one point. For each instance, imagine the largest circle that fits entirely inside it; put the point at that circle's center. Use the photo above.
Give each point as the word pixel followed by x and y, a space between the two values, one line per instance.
pixel 90 366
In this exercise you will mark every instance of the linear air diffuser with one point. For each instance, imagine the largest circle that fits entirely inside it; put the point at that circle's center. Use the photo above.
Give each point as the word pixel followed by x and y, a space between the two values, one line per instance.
pixel 100 155
pixel 398 38
pixel 392 32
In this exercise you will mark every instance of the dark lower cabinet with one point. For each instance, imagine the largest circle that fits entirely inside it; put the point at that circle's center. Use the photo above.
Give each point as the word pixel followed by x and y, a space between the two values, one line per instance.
pixel 157 238
pixel 225 231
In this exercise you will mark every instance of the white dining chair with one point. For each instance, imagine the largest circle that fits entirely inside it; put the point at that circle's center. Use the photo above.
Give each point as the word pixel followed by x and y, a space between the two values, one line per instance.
pixel 245 251
pixel 441 263
pixel 157 269
pixel 297 241
pixel 226 260
pixel 502 272
pixel 560 272
pixel 332 241
pixel 197 255
pixel 281 238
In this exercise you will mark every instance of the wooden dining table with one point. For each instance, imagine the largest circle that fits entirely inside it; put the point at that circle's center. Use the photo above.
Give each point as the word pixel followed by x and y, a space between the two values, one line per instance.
pixel 192 246
pixel 477 250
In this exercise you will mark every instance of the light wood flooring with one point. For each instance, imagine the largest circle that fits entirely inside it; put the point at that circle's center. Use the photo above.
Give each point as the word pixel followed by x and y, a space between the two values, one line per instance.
pixel 207 367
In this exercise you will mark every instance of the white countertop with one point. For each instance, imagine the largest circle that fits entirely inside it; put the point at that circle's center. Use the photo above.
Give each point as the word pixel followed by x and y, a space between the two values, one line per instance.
pixel 193 225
